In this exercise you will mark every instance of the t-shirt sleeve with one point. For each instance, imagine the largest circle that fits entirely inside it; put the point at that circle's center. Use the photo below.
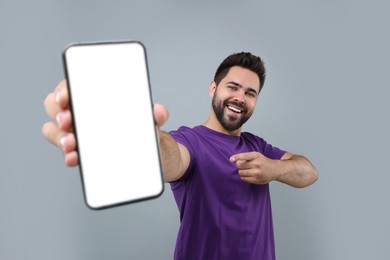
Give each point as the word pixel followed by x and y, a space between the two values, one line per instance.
pixel 269 150
pixel 273 152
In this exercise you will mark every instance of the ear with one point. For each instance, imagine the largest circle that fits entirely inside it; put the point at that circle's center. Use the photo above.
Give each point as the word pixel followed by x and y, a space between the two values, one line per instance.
pixel 212 88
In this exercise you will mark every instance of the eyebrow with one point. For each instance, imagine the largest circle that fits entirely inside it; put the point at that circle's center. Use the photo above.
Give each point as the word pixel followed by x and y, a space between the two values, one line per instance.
pixel 239 85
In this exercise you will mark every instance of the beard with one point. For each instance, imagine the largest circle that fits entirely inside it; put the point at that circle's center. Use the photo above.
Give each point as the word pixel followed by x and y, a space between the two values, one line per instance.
pixel 229 122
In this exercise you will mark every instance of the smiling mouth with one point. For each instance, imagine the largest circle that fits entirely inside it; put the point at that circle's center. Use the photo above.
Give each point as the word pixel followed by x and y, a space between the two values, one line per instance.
pixel 234 109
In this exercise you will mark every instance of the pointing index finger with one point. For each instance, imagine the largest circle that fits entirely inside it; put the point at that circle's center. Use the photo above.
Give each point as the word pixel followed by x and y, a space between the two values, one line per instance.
pixel 242 157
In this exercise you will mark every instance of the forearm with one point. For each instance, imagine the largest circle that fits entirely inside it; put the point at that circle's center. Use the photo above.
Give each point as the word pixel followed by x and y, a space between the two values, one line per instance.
pixel 171 157
pixel 297 171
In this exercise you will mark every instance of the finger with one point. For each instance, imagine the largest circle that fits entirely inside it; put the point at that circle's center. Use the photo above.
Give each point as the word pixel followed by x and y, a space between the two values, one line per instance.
pixel 64 121
pixel 57 100
pixel 243 164
pixel 71 159
pixel 249 179
pixel 64 140
pixel 161 114
pixel 245 173
pixel 61 95
pixel 243 156
pixel 52 133
pixel 68 143
pixel 51 106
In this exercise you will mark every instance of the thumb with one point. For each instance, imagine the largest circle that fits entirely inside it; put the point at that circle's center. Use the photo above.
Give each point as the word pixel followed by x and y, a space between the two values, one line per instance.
pixel 161 114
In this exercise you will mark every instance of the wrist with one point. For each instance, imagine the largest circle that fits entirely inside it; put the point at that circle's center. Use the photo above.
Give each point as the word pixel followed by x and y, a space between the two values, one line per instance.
pixel 280 170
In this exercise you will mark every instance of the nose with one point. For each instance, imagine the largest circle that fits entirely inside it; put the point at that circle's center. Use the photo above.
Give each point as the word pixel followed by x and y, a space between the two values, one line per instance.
pixel 240 97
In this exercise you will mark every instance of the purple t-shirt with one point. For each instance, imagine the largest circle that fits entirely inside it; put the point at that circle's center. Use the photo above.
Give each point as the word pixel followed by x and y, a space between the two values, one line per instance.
pixel 221 216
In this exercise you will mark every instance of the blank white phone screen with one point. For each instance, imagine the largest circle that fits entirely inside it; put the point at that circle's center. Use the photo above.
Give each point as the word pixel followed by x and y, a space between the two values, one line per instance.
pixel 114 124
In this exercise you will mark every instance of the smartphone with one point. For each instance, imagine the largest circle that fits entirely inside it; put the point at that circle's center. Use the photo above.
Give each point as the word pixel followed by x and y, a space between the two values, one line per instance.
pixel 112 111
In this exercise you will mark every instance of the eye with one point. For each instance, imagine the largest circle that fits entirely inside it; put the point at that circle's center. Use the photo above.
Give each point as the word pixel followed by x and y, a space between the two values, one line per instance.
pixel 232 87
pixel 251 94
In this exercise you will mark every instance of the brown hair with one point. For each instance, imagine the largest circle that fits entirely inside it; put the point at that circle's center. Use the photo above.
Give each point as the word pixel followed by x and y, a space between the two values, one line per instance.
pixel 245 60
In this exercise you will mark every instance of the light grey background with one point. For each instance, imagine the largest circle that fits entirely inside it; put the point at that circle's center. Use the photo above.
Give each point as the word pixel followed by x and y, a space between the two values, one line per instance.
pixel 326 96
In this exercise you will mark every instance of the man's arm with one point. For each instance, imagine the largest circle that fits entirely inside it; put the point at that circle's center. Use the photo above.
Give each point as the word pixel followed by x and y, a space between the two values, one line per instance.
pixel 291 169
pixel 297 171
pixel 174 156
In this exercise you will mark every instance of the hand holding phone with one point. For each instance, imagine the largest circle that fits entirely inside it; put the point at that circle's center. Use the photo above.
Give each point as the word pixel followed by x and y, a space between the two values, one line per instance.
pixel 115 131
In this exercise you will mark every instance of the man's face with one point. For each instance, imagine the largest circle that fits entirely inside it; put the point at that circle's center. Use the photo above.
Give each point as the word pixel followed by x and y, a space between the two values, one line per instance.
pixel 235 97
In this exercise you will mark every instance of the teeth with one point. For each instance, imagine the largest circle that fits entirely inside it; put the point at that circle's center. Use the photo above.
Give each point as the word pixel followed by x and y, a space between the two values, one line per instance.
pixel 234 109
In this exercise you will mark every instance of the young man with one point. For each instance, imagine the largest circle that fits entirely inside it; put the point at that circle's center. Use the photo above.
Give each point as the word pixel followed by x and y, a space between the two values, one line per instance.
pixel 219 175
